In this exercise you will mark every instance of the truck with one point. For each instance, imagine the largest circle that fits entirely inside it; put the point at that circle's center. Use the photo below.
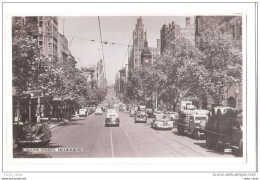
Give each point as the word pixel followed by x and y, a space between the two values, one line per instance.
pixel 192 121
pixel 225 126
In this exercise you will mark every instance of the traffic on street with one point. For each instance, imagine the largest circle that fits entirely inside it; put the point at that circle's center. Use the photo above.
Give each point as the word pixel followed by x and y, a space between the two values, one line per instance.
pixel 93 92
pixel 127 137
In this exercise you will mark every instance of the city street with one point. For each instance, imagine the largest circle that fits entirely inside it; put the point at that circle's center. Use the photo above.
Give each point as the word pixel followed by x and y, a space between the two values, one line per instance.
pixel 128 140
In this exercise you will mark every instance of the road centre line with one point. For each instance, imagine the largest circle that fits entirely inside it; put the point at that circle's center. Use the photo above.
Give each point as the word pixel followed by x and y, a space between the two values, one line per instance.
pixel 111 142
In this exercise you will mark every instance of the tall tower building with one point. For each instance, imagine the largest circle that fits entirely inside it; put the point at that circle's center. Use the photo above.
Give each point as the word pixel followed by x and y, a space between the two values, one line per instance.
pixel 139 39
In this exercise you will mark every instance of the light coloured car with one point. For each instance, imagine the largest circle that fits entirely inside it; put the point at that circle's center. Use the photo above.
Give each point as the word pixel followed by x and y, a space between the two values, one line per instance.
pixel 172 115
pixel 162 123
pixel 112 119
pixel 83 112
pixel 157 114
pixel 98 111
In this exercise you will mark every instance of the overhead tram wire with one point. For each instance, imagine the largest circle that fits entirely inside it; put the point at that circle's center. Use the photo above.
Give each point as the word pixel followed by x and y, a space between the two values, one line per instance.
pixel 91 40
pixel 127 50
pixel 102 46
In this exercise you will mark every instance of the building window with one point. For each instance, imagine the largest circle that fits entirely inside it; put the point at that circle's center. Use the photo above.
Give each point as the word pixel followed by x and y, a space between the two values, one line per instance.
pixel 40 43
pixel 40 23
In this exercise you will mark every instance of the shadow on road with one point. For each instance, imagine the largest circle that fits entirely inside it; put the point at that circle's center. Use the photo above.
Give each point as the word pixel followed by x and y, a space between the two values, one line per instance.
pixel 187 135
pixel 68 123
pixel 219 149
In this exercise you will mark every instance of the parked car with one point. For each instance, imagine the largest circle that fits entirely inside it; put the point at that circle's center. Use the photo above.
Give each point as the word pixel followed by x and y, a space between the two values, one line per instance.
pixel 192 121
pixel 98 111
pixel 34 133
pixel 141 116
pixel 83 112
pixel 162 123
pixel 112 119
pixel 225 126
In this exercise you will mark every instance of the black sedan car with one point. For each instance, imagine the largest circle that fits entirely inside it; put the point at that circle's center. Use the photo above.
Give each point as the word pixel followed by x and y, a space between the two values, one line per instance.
pixel 34 134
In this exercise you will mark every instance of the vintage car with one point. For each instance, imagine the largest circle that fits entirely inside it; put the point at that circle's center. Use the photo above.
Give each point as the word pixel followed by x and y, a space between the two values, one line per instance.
pixel 162 122
pixel 172 115
pixel 83 112
pixel 112 119
pixel 192 121
pixel 157 113
pixel 141 116
pixel 34 133
pixel 98 111
pixel 132 113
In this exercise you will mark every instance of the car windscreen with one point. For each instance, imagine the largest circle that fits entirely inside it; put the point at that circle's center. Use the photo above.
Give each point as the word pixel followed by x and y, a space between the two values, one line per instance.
pixel 141 116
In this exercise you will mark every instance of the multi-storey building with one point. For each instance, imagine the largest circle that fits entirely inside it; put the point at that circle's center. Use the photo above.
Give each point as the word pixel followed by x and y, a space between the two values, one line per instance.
pixel 63 51
pixel 48 36
pixel 139 44
pixel 139 38
pixel 122 80
pixel 173 31
pixel 156 51
pixel 117 83
pixel 100 74
pixel 230 24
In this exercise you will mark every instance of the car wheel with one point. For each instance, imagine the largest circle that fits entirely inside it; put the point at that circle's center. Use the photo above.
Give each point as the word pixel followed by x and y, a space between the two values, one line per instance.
pixel 196 134
pixel 180 129
pixel 155 126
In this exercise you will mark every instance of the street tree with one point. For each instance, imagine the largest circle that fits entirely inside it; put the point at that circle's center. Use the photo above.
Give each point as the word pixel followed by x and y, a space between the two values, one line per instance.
pixel 183 74
pixel 26 55
pixel 222 60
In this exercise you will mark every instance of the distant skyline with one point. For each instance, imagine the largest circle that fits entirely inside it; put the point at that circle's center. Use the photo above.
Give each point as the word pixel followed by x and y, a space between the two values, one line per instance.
pixel 115 29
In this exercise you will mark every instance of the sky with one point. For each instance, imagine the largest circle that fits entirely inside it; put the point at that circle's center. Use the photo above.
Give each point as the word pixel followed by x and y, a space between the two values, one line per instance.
pixel 114 29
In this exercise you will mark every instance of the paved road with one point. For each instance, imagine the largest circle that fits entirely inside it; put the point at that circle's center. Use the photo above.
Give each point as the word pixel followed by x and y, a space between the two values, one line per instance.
pixel 128 140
